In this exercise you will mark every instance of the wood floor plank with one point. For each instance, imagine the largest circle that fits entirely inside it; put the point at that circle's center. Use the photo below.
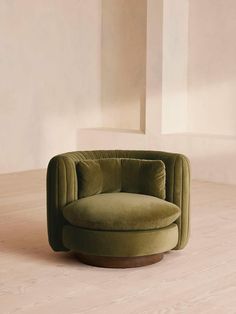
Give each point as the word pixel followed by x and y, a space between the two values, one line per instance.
pixel 33 279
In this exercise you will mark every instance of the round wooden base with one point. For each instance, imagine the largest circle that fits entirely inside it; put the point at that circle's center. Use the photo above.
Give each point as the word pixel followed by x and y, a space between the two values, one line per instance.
pixel 119 262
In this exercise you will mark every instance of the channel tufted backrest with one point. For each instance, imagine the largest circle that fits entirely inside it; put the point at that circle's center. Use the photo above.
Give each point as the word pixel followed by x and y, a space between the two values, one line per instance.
pixel 62 186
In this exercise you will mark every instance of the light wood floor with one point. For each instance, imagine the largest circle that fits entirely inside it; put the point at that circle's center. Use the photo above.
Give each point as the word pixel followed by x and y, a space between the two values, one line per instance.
pixel 33 279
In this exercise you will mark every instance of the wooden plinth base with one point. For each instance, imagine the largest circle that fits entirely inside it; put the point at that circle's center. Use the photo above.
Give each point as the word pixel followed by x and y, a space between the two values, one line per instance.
pixel 119 262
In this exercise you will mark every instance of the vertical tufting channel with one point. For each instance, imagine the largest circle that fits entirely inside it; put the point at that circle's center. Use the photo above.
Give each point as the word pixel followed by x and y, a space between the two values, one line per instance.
pixel 61 190
pixel 181 198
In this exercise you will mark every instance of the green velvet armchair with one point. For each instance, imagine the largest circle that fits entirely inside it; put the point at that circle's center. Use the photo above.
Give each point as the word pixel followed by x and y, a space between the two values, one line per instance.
pixel 114 224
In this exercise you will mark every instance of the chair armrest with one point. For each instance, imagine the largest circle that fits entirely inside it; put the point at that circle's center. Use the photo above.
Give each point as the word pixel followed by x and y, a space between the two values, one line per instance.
pixel 61 189
pixel 178 188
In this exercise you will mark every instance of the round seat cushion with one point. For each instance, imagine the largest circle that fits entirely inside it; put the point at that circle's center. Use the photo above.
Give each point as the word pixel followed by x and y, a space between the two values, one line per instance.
pixel 121 211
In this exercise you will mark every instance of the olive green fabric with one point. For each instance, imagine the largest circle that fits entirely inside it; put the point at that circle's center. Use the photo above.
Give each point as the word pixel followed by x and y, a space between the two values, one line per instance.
pixel 121 174
pixel 116 243
pixel 62 187
pixel 98 176
pixel 143 176
pixel 90 178
pixel 111 171
pixel 121 211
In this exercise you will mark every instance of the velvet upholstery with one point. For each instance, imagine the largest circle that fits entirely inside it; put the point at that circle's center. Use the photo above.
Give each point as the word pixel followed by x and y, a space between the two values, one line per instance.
pixel 143 176
pixel 62 187
pixel 121 174
pixel 111 170
pixel 90 179
pixel 116 243
pixel 97 176
pixel 121 211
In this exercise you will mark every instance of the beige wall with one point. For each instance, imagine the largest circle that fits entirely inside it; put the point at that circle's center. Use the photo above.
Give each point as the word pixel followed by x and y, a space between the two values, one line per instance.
pixel 210 140
pixel 187 37
pixel 102 138
pixel 52 62
pixel 50 54
pixel 123 62
pixel 212 67
pixel 211 143
pixel 175 66
pixel 199 69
